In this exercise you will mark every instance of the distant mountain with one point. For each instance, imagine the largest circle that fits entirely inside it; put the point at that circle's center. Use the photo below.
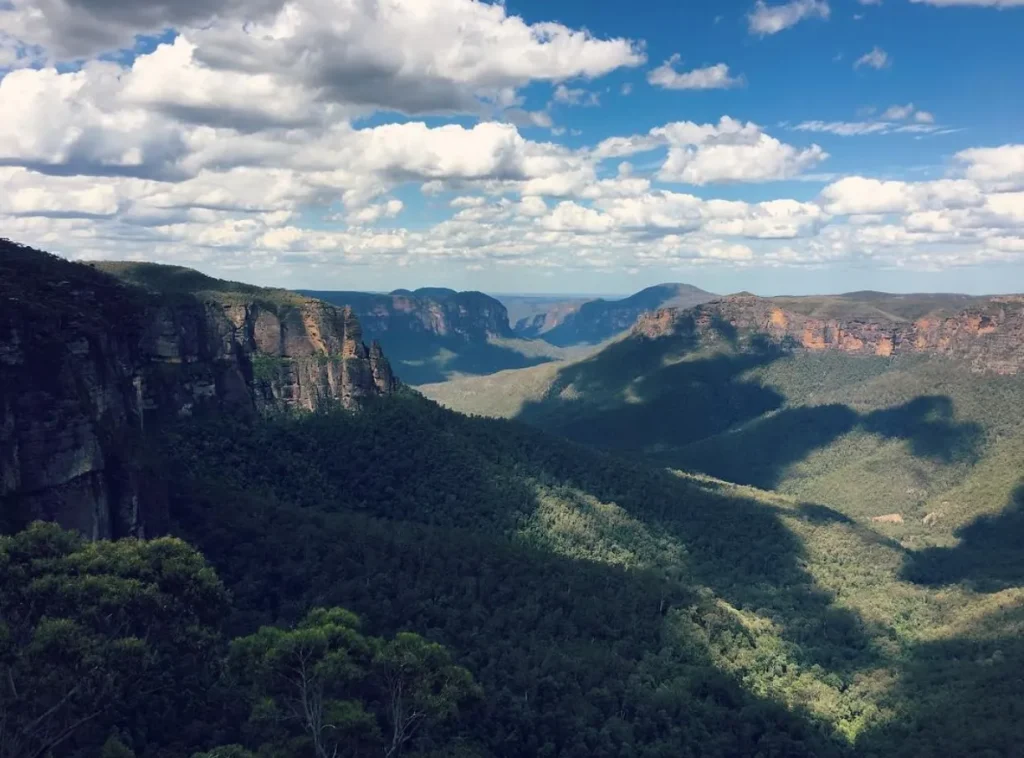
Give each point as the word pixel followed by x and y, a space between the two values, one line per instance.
pixel 433 333
pixel 881 406
pixel 598 320
pixel 524 310
pixel 434 311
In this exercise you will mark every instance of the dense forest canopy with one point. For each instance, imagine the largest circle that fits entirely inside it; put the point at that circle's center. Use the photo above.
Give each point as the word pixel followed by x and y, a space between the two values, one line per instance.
pixel 775 554
pixel 589 606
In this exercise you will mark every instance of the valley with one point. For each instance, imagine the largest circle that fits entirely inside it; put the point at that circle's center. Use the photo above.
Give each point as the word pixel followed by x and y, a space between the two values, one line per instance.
pixel 751 526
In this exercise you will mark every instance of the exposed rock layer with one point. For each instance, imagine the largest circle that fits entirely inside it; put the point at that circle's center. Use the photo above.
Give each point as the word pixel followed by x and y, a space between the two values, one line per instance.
pixel 87 362
pixel 989 334
pixel 435 311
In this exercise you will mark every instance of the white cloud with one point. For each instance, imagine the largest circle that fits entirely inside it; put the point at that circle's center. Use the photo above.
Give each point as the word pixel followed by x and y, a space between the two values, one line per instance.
pixel 23 195
pixel 772 19
pixel 569 216
pixel 568 96
pixel 730 152
pixel 995 167
pixel 898 112
pixel 213 148
pixel 468 202
pixel 371 214
pixel 627 89
pixel 875 58
pixel 710 77
pixel 402 55
pixel 888 123
pixel 845 128
pixel 860 195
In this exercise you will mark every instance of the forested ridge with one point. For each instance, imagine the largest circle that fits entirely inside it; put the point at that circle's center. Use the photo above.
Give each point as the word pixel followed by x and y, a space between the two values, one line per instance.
pixel 406 580
pixel 582 605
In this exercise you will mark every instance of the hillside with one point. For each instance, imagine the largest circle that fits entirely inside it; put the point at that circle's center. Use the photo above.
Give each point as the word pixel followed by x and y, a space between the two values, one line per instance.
pixel 570 602
pixel 595 321
pixel 603 604
pixel 433 333
pixel 916 419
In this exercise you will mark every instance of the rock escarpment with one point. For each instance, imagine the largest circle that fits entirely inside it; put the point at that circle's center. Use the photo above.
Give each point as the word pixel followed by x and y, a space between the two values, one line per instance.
pixel 988 335
pixel 435 311
pixel 88 363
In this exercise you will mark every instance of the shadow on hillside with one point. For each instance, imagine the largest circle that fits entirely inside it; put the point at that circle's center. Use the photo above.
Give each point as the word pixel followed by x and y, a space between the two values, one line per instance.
pixel 659 400
pixel 760 453
pixel 421 359
pixel 641 395
pixel 990 553
pixel 959 696
pixel 576 657
pixel 405 514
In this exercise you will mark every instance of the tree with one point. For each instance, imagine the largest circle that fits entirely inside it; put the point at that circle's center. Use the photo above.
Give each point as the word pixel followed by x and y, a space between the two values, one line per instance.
pixel 309 678
pixel 94 630
pixel 421 686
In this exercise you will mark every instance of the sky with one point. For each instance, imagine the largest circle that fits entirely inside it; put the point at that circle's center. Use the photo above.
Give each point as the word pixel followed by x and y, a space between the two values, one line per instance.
pixel 581 146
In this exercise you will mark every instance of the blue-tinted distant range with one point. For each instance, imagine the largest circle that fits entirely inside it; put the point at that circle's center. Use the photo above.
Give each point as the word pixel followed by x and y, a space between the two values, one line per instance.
pixel 535 147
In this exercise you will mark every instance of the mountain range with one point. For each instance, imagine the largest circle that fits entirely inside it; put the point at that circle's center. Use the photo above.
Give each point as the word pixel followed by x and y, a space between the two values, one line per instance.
pixel 434 334
pixel 747 526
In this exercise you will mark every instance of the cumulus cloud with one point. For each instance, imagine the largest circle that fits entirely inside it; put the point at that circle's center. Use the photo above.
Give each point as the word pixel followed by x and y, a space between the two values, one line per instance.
pixel 407 56
pixel 371 214
pixel 875 58
pixel 772 19
pixel 79 28
pixel 731 151
pixel 403 55
pixel 710 77
pixel 860 195
pixel 213 147
pixel 1000 168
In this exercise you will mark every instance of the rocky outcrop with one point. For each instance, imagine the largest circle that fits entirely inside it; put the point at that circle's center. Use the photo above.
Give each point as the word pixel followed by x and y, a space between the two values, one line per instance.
pixel 471 317
pixel 89 363
pixel 989 335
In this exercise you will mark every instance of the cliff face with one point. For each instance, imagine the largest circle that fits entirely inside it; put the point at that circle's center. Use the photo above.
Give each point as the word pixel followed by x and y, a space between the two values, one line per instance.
pixel 88 362
pixel 989 335
pixel 443 313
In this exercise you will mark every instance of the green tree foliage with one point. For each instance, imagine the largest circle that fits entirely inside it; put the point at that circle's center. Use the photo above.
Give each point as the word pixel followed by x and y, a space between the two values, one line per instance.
pixel 94 633
pixel 325 689
pixel 304 683
pixel 421 686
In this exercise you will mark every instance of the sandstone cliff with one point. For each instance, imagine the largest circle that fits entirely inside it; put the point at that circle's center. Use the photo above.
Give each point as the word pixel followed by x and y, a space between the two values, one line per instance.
pixel 434 311
pixel 89 362
pixel 989 334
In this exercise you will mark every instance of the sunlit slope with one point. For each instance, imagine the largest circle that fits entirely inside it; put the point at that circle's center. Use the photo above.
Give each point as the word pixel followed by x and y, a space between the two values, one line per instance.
pixel 923 440
pixel 581 589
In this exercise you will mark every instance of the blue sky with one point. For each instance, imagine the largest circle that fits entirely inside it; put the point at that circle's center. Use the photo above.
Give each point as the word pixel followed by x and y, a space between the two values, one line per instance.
pixel 568 146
